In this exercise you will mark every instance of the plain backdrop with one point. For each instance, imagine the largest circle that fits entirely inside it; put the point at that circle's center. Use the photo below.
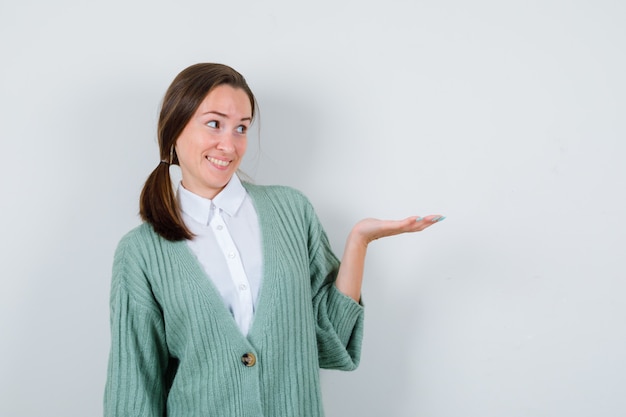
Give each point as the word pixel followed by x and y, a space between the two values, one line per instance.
pixel 508 117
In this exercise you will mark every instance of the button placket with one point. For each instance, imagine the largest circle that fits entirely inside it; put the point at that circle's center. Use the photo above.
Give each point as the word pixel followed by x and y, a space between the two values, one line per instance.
pixel 237 272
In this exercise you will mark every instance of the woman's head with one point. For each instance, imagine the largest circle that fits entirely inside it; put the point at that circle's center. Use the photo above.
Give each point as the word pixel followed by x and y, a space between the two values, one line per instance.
pixel 202 127
pixel 184 96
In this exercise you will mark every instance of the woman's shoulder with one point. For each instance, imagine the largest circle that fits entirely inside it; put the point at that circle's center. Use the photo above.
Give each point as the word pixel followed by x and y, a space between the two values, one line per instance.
pixel 276 192
pixel 141 232
pixel 142 248
pixel 140 239
pixel 282 201
pixel 136 265
pixel 280 198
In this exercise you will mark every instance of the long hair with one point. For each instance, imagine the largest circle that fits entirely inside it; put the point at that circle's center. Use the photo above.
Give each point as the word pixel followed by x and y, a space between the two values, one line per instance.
pixel 157 204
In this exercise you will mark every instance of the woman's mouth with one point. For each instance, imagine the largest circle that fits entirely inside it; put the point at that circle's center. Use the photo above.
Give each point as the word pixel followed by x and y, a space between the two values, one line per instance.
pixel 218 162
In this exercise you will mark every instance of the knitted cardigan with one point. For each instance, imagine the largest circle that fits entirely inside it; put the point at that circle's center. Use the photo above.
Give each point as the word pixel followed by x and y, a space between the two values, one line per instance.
pixel 176 350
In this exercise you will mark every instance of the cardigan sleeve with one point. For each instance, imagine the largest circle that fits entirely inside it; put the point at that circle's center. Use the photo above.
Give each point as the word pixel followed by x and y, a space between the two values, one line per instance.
pixel 339 325
pixel 138 358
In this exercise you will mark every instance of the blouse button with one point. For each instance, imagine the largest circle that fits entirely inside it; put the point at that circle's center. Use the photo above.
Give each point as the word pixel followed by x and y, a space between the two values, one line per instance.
pixel 248 359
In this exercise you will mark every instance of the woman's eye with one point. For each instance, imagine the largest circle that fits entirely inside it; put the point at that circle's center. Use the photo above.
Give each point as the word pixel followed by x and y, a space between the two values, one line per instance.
pixel 213 124
pixel 242 129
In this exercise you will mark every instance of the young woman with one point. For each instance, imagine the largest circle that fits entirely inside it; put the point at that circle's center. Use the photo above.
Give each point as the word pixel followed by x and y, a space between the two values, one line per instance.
pixel 227 300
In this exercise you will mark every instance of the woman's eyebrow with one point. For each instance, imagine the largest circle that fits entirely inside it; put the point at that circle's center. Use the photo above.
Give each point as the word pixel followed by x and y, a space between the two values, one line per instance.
pixel 225 115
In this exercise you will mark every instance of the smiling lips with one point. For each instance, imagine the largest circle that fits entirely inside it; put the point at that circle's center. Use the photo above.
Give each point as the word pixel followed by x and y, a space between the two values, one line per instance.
pixel 218 162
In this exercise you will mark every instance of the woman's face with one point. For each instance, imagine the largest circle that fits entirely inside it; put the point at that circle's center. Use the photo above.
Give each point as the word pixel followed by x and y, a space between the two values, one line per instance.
pixel 213 142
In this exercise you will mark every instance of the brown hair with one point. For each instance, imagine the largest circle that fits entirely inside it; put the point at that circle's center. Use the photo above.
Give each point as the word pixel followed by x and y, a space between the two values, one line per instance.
pixel 157 204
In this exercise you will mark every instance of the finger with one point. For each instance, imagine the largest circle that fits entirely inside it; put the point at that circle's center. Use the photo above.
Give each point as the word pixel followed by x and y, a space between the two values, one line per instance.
pixel 434 218
pixel 410 224
pixel 429 220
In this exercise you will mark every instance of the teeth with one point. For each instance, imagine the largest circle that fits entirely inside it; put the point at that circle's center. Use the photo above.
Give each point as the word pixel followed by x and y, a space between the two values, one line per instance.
pixel 218 161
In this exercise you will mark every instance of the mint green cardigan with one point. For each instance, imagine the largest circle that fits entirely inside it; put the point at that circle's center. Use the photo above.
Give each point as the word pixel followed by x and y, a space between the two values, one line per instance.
pixel 176 350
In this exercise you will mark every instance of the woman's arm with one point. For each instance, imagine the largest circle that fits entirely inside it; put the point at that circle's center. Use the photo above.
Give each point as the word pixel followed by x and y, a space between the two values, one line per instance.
pixel 350 275
pixel 138 358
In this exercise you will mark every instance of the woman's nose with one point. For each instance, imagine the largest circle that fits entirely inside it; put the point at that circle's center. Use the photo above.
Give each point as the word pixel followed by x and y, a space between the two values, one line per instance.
pixel 226 143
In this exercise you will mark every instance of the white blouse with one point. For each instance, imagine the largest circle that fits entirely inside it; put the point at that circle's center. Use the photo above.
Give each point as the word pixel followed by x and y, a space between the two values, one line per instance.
pixel 227 244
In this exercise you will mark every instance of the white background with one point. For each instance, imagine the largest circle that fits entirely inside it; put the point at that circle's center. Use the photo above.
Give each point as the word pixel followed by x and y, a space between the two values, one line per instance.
pixel 508 117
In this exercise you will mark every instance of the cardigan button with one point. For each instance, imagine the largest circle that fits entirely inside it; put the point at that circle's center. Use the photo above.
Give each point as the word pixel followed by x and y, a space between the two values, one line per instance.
pixel 248 359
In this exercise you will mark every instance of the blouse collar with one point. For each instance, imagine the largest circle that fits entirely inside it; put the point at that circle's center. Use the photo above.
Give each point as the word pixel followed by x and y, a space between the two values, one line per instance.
pixel 229 200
